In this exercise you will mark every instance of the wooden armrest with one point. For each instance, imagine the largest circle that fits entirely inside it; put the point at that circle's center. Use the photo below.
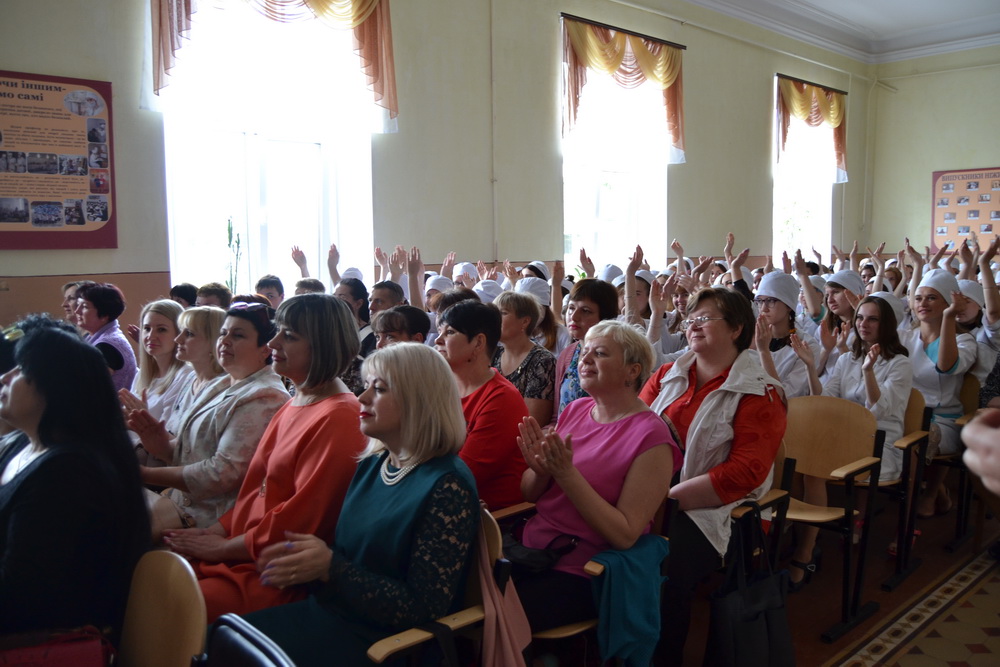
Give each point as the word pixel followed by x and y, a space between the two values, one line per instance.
pixel 852 469
pixel 966 418
pixel 767 501
pixel 385 648
pixel 910 439
pixel 513 510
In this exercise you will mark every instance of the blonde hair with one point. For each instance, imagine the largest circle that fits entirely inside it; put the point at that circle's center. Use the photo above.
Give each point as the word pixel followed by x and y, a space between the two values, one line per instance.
pixel 635 347
pixel 204 321
pixel 148 367
pixel 427 397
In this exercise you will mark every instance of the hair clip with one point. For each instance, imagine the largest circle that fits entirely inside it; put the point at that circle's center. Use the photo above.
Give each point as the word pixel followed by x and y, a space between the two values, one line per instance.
pixel 12 333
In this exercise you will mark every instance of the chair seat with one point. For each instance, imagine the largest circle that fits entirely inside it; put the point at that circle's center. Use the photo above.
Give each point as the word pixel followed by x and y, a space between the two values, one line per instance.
pixel 568 630
pixel 800 511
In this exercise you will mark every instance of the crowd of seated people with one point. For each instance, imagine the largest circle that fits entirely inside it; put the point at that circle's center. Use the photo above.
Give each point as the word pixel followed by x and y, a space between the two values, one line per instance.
pixel 320 458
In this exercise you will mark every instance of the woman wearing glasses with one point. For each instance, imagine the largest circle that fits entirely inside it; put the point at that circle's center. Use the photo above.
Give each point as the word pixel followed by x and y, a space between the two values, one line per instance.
pixel 207 457
pixel 775 301
pixel 730 417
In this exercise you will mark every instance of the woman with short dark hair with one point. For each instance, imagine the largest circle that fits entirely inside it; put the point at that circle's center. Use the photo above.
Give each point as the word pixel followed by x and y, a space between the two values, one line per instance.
pixel 99 306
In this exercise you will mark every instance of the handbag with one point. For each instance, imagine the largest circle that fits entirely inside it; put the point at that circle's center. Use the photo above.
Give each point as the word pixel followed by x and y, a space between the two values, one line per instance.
pixel 748 624
pixel 529 560
pixel 84 647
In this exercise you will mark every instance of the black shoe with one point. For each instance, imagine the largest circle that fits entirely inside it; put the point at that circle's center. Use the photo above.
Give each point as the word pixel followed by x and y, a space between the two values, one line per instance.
pixel 807 569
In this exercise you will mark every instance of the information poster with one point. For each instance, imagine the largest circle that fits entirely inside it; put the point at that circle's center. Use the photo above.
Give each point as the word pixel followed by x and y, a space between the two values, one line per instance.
pixel 57 172
pixel 965 202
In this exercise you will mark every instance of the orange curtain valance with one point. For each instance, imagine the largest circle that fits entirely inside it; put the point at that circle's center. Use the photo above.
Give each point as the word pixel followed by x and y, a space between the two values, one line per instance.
pixel 369 19
pixel 631 60
pixel 816 106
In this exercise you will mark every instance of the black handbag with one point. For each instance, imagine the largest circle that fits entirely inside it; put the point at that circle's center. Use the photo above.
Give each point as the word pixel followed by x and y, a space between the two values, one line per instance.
pixel 528 560
pixel 748 625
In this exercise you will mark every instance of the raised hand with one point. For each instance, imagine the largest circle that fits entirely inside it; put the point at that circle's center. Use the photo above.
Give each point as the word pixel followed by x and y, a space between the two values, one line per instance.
pixel 298 257
pixel 482 270
pixel 131 402
pixel 529 442
pixel 448 265
pixel 762 334
pixel 786 262
pixel 414 265
pixel 635 261
pixel 801 268
pixel 660 295
pixel 397 263
pixel 510 273
pixel 727 250
pixel 152 433
pixel 803 351
pixel 873 354
pixel 586 263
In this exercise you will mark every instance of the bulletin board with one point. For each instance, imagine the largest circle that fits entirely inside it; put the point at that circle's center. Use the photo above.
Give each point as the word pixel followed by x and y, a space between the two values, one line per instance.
pixel 963 202
pixel 57 171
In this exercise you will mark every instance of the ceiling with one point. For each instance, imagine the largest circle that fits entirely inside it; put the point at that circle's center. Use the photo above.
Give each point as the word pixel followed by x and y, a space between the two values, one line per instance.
pixel 874 31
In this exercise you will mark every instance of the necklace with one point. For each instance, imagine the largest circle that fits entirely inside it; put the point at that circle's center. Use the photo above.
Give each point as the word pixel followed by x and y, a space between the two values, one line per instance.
pixel 393 478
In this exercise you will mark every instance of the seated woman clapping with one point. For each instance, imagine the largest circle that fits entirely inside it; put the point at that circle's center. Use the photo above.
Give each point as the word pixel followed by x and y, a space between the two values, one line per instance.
pixel 218 432
pixel 600 475
pixel 299 474
pixel 404 540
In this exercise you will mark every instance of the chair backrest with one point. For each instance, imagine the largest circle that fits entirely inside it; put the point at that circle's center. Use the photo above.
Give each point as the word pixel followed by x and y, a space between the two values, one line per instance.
pixel 165 619
pixel 825 433
pixel 494 548
pixel 913 418
pixel 969 394
pixel 233 641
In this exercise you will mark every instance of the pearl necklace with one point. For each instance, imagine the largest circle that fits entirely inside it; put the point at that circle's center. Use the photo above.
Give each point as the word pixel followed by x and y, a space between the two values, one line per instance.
pixel 393 478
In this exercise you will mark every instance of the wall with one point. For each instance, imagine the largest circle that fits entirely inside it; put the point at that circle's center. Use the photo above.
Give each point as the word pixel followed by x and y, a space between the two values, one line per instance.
pixel 103 41
pixel 942 115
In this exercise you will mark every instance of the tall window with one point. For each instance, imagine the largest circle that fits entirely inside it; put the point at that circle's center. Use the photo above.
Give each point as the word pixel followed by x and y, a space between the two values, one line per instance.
pixel 267 124
pixel 615 175
pixel 810 157
pixel 623 125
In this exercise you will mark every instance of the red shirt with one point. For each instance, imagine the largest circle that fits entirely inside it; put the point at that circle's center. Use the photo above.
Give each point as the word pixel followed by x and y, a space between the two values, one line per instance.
pixel 492 414
pixel 758 426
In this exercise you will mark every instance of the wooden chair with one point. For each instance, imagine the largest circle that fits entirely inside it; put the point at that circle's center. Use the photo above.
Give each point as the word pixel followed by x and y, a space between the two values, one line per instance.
pixel 916 422
pixel 969 396
pixel 833 439
pixel 165 619
pixel 470 616
pixel 776 499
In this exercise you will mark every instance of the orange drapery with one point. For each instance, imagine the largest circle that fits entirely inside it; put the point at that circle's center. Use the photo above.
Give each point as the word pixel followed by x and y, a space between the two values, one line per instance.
pixel 631 60
pixel 816 106
pixel 369 19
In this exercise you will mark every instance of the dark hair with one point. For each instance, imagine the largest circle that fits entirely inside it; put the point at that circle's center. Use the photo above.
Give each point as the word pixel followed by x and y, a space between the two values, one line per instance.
pixel 327 324
pixel 472 318
pixel 442 301
pixel 8 343
pixel 735 308
pixel 395 288
pixel 535 270
pixel 358 293
pixel 888 337
pixel 269 280
pixel 602 293
pixel 311 284
pixel 259 315
pixel 186 292
pixel 813 268
pixel 831 320
pixel 108 300
pixel 410 319
pixel 219 291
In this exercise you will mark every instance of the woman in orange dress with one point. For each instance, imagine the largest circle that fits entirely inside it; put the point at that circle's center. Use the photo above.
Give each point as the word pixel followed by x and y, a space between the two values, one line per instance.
pixel 301 470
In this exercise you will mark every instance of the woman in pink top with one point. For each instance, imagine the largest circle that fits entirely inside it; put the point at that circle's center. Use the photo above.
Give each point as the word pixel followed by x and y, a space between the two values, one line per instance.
pixel 600 475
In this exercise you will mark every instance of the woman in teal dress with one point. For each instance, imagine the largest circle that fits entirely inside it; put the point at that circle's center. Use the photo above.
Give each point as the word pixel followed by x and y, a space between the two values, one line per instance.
pixel 403 544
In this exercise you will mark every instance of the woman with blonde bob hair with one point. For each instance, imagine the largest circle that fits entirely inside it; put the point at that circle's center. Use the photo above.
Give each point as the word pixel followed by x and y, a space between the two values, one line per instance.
pixel 600 475
pixel 530 367
pixel 404 540
pixel 157 386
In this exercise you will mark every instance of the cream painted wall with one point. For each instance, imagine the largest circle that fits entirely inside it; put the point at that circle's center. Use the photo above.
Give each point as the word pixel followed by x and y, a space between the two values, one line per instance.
pixel 102 41
pixel 729 69
pixel 476 164
pixel 942 115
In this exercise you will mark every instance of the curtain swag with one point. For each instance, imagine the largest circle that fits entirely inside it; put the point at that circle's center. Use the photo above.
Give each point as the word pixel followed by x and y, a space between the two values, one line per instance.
pixel 816 106
pixel 631 61
pixel 369 19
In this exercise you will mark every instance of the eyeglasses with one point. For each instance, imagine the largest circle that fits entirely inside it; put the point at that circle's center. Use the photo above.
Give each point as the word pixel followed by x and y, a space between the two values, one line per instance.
pixel 699 321
pixel 249 307
pixel 765 302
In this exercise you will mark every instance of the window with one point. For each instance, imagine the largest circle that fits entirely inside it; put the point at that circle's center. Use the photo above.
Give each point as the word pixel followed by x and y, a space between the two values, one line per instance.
pixel 615 175
pixel 267 124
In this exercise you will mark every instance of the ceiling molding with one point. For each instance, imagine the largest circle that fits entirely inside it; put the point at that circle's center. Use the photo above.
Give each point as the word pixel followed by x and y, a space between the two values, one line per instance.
pixel 848 34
